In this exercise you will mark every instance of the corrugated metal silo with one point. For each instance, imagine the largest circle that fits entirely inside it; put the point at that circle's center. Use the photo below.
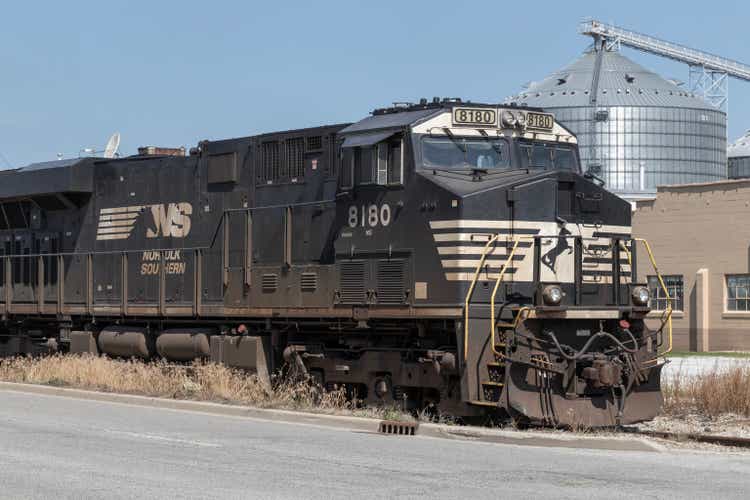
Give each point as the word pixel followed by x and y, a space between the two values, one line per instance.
pixel 635 129
pixel 738 157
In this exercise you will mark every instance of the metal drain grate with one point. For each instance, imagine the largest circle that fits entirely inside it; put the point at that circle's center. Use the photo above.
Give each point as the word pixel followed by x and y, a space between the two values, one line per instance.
pixel 398 428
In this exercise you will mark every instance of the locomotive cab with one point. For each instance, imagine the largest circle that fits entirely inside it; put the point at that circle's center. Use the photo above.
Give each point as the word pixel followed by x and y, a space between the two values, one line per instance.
pixel 538 258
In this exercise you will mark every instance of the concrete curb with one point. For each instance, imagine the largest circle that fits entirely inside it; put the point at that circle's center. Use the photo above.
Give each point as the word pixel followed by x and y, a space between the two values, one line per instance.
pixel 342 422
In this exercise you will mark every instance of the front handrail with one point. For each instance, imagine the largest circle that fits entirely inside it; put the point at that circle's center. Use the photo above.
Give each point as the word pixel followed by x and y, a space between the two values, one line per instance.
pixel 493 328
pixel 471 291
pixel 516 241
pixel 667 318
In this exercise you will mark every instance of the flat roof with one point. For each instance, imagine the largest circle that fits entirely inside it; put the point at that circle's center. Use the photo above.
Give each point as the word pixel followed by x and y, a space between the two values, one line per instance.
pixel 723 182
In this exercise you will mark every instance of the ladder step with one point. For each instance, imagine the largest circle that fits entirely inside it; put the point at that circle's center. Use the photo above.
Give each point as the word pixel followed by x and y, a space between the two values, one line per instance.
pixel 496 365
pixel 504 324
pixel 484 403
pixel 490 382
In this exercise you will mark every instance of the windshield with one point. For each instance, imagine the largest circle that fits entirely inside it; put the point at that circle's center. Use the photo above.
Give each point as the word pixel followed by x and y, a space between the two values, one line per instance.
pixel 463 152
pixel 552 156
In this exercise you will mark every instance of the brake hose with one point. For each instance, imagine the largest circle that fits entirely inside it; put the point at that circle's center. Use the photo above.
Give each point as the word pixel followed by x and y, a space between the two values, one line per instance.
pixel 587 345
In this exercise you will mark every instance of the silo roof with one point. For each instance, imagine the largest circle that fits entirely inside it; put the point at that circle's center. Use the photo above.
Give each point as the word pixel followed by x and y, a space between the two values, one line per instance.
pixel 740 148
pixel 622 82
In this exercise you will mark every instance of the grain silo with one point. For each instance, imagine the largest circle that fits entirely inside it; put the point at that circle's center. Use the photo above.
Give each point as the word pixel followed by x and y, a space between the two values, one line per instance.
pixel 636 130
pixel 738 157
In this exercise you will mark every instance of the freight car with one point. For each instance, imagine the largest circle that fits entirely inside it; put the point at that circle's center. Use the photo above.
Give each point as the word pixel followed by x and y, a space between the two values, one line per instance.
pixel 444 254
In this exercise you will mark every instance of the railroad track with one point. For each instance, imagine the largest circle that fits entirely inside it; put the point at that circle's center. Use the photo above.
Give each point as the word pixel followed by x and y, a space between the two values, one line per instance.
pixel 683 437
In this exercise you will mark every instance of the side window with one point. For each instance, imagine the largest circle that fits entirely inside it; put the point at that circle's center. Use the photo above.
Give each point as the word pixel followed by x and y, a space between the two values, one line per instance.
pixel 381 164
pixel 346 168
pixel 395 163
pixel 364 165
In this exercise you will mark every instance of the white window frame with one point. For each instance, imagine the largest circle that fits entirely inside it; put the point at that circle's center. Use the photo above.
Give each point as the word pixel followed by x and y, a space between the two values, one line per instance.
pixel 726 308
pixel 659 290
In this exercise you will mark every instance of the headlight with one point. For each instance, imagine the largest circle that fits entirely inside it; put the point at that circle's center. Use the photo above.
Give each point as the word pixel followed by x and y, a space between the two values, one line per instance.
pixel 552 295
pixel 520 119
pixel 640 296
pixel 509 119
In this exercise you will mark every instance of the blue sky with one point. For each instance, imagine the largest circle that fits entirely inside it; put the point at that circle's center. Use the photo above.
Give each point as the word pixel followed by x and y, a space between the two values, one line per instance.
pixel 173 73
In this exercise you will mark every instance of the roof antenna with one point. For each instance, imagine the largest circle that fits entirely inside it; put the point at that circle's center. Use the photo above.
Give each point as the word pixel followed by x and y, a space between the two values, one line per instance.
pixel 113 144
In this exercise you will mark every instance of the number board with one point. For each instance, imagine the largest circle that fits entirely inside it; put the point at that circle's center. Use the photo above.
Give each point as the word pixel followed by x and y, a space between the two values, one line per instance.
pixel 541 121
pixel 477 117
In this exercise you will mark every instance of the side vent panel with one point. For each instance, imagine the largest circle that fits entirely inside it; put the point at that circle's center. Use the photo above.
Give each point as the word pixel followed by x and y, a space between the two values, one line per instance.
pixel 352 279
pixel 270 282
pixel 309 282
pixel 391 282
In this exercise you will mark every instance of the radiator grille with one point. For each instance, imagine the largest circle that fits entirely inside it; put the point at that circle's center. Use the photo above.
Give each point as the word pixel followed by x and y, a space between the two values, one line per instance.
pixel 295 159
pixel 314 143
pixel 391 282
pixel 270 162
pixel 352 277
pixel 270 282
pixel 309 282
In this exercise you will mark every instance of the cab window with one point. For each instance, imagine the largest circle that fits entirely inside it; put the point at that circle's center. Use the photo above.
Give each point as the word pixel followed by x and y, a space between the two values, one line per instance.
pixel 547 156
pixel 465 152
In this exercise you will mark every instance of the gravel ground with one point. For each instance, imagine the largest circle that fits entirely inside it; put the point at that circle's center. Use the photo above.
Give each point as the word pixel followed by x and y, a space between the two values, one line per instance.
pixel 725 425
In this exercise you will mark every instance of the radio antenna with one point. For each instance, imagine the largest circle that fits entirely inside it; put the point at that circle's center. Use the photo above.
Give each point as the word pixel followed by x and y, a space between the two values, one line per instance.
pixel 113 144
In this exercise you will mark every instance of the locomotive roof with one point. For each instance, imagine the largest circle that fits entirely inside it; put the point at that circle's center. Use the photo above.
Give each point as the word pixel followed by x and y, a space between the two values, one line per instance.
pixel 390 120
pixel 73 175
pixel 401 116
pixel 43 165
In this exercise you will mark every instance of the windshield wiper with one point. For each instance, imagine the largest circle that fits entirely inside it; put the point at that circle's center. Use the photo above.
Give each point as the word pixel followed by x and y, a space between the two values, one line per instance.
pixel 453 139
pixel 494 145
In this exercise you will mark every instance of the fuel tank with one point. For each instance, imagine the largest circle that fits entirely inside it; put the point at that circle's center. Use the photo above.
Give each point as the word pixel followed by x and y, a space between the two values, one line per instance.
pixel 184 344
pixel 126 341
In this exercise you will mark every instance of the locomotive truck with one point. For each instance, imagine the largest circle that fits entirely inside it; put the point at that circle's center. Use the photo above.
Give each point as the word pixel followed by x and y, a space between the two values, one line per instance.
pixel 443 254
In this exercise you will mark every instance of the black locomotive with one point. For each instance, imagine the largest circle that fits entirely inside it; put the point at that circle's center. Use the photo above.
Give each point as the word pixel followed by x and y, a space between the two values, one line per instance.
pixel 441 254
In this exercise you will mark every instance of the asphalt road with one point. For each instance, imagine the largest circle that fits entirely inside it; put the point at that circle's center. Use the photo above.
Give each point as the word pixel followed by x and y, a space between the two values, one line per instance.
pixel 57 447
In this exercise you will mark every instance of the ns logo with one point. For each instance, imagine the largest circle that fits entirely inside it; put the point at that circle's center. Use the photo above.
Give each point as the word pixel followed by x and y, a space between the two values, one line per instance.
pixel 171 220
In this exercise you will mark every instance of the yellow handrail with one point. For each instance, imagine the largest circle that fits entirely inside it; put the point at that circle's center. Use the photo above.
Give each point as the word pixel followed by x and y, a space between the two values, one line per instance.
pixel 494 292
pixel 668 310
pixel 471 291
pixel 517 319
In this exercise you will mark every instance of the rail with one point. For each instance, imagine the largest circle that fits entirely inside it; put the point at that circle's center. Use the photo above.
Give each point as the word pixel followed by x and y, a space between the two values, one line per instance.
pixel 499 279
pixel 488 248
pixel 471 291
pixel 667 317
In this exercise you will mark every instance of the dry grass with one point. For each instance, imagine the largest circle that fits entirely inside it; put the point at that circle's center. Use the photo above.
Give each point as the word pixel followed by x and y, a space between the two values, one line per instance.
pixel 199 381
pixel 713 394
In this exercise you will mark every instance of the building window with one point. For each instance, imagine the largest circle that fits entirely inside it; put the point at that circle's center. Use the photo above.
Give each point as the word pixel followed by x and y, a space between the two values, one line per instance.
pixel 675 288
pixel 738 292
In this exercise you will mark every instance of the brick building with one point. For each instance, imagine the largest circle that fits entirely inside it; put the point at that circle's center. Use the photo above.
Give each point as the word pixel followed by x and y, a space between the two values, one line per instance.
pixel 701 240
